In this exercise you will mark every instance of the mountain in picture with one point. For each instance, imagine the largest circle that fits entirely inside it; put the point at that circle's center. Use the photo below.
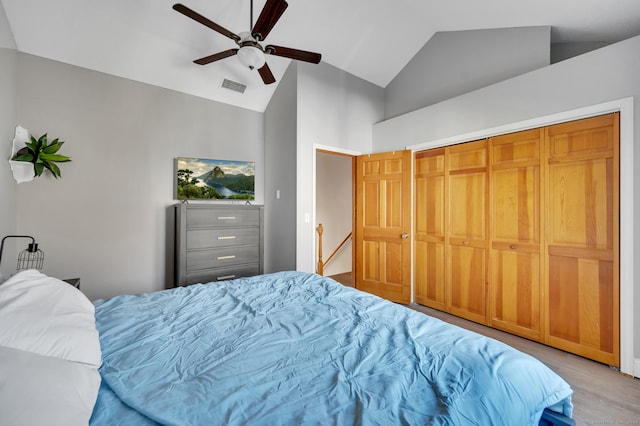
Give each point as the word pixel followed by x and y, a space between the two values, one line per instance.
pixel 217 178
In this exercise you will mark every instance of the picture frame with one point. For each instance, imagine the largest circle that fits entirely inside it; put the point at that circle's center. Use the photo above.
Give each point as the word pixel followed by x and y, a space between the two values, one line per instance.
pixel 209 179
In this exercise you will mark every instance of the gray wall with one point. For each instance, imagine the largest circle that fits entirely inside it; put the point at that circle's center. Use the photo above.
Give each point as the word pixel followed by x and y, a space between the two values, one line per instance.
pixel 336 110
pixel 601 76
pixel 457 62
pixel 564 51
pixel 314 106
pixel 6 36
pixel 8 186
pixel 280 119
pixel 108 219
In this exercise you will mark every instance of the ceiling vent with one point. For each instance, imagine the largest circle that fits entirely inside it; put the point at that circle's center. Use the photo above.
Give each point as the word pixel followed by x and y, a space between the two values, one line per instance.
pixel 234 85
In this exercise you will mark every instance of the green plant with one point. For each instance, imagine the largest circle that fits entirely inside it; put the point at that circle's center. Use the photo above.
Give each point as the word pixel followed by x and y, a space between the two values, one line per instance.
pixel 42 155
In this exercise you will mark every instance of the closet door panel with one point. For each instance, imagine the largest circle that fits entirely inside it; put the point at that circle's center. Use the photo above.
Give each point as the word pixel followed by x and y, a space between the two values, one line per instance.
pixel 581 203
pixel 581 307
pixel 467 282
pixel 429 273
pixel 467 204
pixel 515 292
pixel 515 216
pixel 429 229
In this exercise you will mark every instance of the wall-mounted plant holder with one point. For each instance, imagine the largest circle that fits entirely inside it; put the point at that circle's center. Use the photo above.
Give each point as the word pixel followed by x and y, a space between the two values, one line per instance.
pixel 30 157
pixel 22 171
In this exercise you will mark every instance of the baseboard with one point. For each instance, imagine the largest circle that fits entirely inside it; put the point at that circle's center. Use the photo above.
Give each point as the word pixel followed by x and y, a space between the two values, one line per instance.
pixel 636 368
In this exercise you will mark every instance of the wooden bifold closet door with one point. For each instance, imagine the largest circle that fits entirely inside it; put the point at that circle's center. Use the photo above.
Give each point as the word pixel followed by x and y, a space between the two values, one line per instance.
pixel 516 246
pixel 450 272
pixel 583 238
pixel 429 229
pixel 467 186
pixel 521 232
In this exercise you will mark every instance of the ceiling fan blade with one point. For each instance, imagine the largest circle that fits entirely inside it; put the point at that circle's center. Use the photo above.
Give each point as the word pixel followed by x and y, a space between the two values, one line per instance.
pixel 287 52
pixel 204 21
pixel 216 57
pixel 266 74
pixel 270 14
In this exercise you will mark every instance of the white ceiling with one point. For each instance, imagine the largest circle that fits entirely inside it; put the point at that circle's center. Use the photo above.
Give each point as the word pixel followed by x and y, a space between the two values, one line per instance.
pixel 146 40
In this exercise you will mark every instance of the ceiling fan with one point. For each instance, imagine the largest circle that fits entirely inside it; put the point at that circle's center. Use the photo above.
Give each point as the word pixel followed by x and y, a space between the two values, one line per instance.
pixel 250 51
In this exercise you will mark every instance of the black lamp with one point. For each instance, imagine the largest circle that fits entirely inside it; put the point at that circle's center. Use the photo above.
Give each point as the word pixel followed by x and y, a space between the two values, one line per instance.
pixel 30 258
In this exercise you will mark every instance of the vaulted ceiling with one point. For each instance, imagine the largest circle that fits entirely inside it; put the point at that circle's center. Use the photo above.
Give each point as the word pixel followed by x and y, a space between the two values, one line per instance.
pixel 147 41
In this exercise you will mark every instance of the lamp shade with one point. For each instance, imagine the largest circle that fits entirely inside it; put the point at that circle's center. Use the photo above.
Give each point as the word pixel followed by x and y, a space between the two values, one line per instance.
pixel 251 57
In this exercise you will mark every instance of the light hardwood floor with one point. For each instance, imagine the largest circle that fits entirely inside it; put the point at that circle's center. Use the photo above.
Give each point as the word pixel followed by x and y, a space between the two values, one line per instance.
pixel 601 395
pixel 344 279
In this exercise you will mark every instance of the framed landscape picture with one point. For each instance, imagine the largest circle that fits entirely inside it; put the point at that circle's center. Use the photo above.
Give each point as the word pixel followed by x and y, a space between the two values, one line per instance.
pixel 204 179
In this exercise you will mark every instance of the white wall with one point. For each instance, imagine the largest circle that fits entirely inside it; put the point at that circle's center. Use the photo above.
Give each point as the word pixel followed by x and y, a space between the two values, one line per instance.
pixel 334 209
pixel 457 62
pixel 108 219
pixel 335 109
pixel 597 77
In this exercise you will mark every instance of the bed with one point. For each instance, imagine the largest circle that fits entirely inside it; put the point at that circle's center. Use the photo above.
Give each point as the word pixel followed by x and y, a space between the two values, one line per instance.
pixel 287 348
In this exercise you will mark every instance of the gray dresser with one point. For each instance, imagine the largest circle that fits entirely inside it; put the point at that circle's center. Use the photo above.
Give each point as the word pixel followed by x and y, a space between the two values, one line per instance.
pixel 218 242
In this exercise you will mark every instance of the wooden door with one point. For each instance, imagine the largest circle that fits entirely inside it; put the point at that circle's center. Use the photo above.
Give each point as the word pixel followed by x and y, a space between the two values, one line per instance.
pixel 515 229
pixel 467 191
pixel 429 229
pixel 383 225
pixel 583 238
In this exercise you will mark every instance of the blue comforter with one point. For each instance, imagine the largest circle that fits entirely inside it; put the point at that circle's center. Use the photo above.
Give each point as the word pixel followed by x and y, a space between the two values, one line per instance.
pixel 295 348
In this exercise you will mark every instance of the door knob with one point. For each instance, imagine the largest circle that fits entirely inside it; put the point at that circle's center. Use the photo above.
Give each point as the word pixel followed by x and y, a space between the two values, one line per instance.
pixel 405 235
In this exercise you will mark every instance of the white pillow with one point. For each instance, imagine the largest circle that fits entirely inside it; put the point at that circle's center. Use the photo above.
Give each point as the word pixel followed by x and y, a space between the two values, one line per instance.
pixel 47 316
pixel 41 390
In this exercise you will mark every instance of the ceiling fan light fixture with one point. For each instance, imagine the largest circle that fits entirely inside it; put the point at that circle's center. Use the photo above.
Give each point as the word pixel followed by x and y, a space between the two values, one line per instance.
pixel 251 57
pixel 250 52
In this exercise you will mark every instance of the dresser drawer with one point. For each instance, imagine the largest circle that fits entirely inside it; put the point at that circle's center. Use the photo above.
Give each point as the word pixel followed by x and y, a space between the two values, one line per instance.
pixel 205 218
pixel 221 274
pixel 222 237
pixel 220 257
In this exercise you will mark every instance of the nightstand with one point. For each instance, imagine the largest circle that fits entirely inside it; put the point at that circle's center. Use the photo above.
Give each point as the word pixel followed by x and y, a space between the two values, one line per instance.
pixel 74 282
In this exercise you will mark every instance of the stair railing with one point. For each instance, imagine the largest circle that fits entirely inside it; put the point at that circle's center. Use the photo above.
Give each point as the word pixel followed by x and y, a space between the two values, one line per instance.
pixel 321 264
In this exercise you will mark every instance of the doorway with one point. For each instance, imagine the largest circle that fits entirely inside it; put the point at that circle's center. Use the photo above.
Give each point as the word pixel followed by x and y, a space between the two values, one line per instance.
pixel 334 215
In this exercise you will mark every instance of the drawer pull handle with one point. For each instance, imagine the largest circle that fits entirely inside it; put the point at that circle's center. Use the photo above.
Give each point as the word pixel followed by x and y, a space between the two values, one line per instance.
pixel 465 242
pixel 227 237
pixel 226 277
pixel 513 246
pixel 233 256
pixel 226 217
